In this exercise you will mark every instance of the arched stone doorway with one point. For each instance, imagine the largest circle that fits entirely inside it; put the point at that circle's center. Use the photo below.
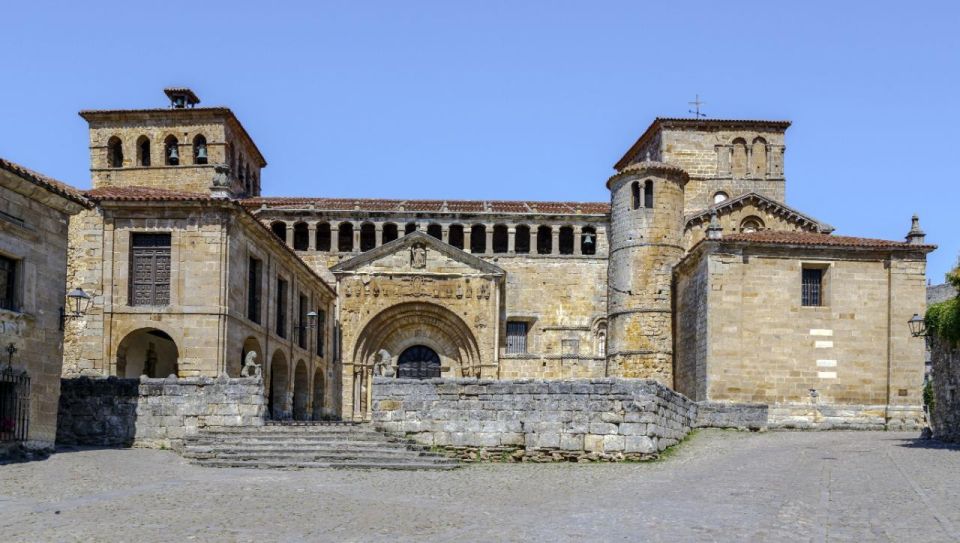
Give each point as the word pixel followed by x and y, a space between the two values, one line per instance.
pixel 418 362
pixel 301 392
pixel 147 351
pixel 277 403
pixel 318 395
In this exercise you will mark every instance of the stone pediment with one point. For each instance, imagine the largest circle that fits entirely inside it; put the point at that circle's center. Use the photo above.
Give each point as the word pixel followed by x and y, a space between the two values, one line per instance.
pixel 757 201
pixel 417 253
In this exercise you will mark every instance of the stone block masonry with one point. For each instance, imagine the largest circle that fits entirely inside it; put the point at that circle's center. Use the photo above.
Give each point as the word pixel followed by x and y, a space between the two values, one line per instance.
pixel 532 420
pixel 155 413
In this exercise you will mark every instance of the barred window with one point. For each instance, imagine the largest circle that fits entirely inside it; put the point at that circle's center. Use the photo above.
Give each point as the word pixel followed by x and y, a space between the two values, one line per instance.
pixel 516 337
pixel 150 269
pixel 281 308
pixel 812 287
pixel 254 293
pixel 8 283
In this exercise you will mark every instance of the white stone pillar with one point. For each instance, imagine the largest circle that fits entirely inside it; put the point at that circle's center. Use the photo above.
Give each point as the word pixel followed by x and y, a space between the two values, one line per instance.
pixel 577 233
pixel 555 240
pixel 356 238
pixel 488 246
pixel 378 234
pixel 511 239
pixel 445 233
pixel 467 236
pixel 312 236
pixel 334 236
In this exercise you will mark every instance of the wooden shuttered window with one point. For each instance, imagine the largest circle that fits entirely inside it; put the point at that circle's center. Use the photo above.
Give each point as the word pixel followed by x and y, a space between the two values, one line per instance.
pixel 150 269
pixel 516 337
pixel 281 308
pixel 254 282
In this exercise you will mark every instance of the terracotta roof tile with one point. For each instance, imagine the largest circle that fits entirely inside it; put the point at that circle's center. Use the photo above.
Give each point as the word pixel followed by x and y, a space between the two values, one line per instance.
pixel 433 206
pixel 145 194
pixel 811 239
pixel 57 187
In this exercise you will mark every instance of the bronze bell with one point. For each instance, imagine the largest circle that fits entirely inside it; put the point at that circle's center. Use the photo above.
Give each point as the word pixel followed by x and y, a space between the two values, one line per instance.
pixel 173 154
pixel 202 152
pixel 588 238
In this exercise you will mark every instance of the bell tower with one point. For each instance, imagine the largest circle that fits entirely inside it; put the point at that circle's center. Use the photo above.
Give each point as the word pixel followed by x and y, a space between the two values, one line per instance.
pixel 181 147
pixel 646 241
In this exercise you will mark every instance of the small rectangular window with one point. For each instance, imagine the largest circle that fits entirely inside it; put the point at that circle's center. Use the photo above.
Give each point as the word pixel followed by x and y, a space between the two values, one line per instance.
pixel 516 337
pixel 281 308
pixel 302 325
pixel 321 331
pixel 8 283
pixel 812 287
pixel 254 282
pixel 150 269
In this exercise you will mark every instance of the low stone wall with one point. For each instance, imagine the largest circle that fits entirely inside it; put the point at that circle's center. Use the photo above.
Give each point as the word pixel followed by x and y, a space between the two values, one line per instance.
pixel 945 415
pixel 813 416
pixel 752 416
pixel 528 420
pixel 153 412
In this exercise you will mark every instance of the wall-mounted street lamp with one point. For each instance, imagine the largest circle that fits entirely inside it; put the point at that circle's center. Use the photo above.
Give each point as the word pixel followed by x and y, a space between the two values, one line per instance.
pixel 918 326
pixel 78 302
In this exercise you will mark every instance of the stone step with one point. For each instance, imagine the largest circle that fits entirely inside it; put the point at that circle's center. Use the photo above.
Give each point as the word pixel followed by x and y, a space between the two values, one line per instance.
pixel 301 457
pixel 285 430
pixel 339 446
pixel 419 465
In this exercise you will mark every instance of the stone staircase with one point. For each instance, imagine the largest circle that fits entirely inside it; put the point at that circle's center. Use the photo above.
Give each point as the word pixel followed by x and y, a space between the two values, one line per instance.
pixel 299 445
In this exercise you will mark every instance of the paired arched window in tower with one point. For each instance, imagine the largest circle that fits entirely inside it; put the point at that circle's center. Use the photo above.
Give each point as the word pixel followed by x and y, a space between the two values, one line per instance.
pixel 200 150
pixel 641 196
pixel 456 236
pixel 323 236
pixel 758 158
pixel 588 240
pixel 171 151
pixel 648 194
pixel 635 194
pixel 521 242
pixel 345 237
pixel 389 232
pixel 738 161
pixel 143 151
pixel 301 237
pixel 501 238
pixel 565 240
pixel 368 236
pixel 544 240
pixel 114 152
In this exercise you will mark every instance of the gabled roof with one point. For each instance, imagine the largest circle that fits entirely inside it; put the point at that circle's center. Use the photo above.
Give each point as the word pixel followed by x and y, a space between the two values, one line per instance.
pixel 776 208
pixel 429 206
pixel 810 239
pixel 693 124
pixel 427 240
pixel 47 183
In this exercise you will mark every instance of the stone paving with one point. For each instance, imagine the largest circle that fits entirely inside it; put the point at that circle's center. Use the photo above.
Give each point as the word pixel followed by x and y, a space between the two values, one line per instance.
pixel 718 486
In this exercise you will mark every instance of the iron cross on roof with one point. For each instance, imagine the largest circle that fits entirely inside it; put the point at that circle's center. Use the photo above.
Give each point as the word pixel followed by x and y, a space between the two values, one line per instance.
pixel 696 104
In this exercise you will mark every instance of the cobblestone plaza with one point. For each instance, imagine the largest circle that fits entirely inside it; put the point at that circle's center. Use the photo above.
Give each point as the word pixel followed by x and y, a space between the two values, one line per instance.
pixel 718 486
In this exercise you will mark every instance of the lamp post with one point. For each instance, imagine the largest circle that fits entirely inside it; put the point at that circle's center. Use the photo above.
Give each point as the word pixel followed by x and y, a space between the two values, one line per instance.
pixel 78 302
pixel 918 326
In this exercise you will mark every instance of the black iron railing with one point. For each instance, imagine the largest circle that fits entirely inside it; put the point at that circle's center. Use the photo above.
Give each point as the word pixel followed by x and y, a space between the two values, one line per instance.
pixel 14 404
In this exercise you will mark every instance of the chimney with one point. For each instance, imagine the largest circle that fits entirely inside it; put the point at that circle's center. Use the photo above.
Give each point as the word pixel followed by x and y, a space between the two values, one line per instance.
pixel 915 236
pixel 714 230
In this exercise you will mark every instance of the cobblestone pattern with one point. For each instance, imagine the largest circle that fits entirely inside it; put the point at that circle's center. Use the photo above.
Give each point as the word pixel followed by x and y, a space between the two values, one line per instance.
pixel 743 416
pixel 154 412
pixel 945 416
pixel 529 420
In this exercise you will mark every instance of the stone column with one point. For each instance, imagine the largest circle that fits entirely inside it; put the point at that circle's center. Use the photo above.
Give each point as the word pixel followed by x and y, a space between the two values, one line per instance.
pixel 378 234
pixel 334 236
pixel 356 238
pixel 488 248
pixel 445 233
pixel 312 236
pixel 467 235
pixel 577 232
pixel 512 239
pixel 555 240
pixel 289 232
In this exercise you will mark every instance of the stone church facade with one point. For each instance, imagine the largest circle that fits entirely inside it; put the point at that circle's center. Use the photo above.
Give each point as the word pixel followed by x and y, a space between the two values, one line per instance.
pixel 695 273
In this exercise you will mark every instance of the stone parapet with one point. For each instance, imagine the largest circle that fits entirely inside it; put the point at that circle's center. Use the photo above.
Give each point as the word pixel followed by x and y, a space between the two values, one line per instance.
pixel 742 416
pixel 533 420
pixel 155 413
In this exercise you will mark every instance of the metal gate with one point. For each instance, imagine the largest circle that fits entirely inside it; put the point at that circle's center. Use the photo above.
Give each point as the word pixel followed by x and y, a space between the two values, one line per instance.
pixel 418 362
pixel 14 404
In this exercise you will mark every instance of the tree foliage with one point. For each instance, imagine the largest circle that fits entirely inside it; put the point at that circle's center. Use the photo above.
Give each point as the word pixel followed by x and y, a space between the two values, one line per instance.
pixel 943 319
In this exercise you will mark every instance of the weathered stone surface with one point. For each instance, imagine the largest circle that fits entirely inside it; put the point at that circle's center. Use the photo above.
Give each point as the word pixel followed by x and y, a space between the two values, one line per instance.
pixel 945 416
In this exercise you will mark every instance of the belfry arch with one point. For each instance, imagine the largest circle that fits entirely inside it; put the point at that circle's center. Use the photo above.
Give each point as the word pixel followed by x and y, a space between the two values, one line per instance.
pixel 408 324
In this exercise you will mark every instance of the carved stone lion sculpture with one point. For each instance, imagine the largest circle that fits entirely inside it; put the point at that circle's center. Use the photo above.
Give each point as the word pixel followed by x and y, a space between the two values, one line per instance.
pixel 250 365
pixel 384 364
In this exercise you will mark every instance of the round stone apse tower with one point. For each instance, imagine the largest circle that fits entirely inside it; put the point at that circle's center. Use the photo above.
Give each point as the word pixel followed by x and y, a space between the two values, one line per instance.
pixel 646 241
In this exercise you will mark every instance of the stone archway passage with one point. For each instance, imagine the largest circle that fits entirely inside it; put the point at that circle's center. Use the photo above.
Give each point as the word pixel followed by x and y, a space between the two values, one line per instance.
pixel 418 362
pixel 147 351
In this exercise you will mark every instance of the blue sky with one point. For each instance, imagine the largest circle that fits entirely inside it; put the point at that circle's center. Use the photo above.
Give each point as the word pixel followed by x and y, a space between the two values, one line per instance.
pixel 514 100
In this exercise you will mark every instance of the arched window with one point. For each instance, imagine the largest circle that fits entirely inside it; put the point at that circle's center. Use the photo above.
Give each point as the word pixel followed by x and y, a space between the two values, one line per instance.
pixel 648 194
pixel 720 197
pixel 143 151
pixel 323 236
pixel 409 228
pixel 521 240
pixel 739 159
pixel 345 237
pixel 232 157
pixel 478 239
pixel 500 238
pixel 635 194
pixel 280 229
pixel 114 153
pixel 588 240
pixel 171 151
pixel 544 240
pixel 565 240
pixel 435 230
pixel 751 224
pixel 368 236
pixel 389 232
pixel 301 237
pixel 758 158
pixel 456 235
pixel 200 150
